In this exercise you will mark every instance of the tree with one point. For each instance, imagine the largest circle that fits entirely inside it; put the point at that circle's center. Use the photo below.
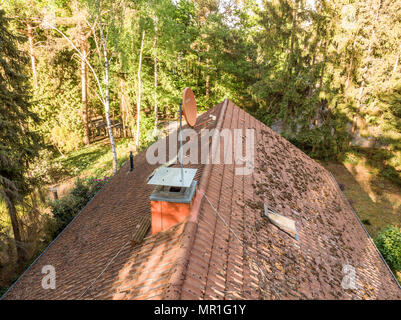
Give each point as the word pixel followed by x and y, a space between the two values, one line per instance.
pixel 84 32
pixel 389 244
pixel 18 142
pixel 104 93
pixel 25 12
pixel 155 68
pixel 107 58
pixel 138 105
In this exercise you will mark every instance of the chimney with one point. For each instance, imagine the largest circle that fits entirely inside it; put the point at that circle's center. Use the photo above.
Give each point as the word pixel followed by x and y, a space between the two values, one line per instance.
pixel 171 200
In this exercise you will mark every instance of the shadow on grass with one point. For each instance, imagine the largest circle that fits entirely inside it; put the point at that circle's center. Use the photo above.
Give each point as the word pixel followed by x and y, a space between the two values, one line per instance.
pixel 369 195
pixel 85 158
pixel 379 160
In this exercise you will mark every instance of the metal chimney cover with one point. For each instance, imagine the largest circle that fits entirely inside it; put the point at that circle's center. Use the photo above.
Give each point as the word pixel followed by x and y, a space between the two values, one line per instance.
pixel 173 177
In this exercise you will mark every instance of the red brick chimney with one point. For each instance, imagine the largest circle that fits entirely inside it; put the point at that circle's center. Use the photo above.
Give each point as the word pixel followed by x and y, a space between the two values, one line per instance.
pixel 171 200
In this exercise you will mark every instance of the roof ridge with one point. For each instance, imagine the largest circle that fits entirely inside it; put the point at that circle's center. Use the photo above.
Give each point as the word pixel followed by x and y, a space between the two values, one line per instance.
pixel 173 290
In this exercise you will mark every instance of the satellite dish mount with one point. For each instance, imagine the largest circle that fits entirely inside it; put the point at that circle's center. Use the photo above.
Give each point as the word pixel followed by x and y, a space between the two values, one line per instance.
pixel 189 110
pixel 179 177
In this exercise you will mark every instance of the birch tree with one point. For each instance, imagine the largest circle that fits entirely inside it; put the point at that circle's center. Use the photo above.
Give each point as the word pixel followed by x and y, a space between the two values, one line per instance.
pixel 103 91
pixel 138 104
pixel 155 68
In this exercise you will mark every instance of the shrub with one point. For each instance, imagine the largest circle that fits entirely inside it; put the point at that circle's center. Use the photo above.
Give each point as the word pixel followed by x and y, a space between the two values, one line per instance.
pixel 389 244
pixel 366 221
pixel 65 209
pixel 351 157
pixel 46 169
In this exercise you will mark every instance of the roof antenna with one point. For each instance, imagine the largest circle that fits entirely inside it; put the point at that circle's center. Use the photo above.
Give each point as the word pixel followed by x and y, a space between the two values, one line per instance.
pixel 179 177
pixel 175 187
pixel 188 108
pixel 180 138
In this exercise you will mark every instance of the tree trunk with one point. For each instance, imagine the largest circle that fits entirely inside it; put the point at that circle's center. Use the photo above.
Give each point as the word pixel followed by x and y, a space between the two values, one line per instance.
pixel 321 79
pixel 396 63
pixel 364 72
pixel 123 108
pixel 347 82
pixel 350 67
pixel 292 41
pixel 31 53
pixel 155 74
pixel 84 86
pixel 138 104
pixel 366 68
pixel 83 39
pixel 12 212
pixel 107 101
pixel 207 73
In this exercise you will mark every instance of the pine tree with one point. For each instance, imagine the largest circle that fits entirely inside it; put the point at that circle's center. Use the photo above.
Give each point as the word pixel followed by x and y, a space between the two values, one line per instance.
pixel 18 143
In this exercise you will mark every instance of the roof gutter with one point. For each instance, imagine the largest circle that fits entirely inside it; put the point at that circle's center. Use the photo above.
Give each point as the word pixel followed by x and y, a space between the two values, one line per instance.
pixel 173 290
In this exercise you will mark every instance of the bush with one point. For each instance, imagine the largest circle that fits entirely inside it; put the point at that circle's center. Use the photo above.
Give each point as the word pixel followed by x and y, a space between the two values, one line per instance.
pixel 389 244
pixel 46 169
pixel 366 221
pixel 65 209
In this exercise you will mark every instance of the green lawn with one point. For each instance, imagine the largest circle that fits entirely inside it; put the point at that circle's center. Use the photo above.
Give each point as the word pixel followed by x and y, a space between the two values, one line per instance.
pixel 376 200
pixel 96 159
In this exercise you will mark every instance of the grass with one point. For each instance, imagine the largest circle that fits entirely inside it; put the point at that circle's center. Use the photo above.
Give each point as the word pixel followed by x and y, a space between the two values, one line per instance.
pixel 96 159
pixel 376 200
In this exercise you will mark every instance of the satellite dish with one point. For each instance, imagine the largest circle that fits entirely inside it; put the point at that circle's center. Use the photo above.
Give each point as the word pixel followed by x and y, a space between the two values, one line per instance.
pixel 189 107
pixel 178 177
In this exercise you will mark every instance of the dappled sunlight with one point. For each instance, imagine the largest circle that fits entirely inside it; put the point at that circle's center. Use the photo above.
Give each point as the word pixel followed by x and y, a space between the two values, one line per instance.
pixel 148 268
pixel 387 191
pixel 395 199
pixel 361 175
pixel 376 200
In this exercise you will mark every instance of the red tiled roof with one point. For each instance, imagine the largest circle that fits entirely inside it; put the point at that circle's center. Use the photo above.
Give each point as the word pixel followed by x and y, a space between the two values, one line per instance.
pixel 226 249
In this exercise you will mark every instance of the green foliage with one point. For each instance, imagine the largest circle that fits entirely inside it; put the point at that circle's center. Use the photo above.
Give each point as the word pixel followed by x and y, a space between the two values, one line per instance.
pixel 389 244
pixel 65 209
pixel 58 100
pixel 366 221
pixel 46 169
pixel 19 143
pixel 351 157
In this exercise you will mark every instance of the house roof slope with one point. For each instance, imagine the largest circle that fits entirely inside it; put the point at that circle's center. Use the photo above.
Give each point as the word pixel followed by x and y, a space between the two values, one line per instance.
pixel 226 249
pixel 102 229
pixel 252 258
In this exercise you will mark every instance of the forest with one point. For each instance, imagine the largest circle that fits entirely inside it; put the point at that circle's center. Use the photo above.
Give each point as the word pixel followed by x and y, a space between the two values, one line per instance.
pixel 83 82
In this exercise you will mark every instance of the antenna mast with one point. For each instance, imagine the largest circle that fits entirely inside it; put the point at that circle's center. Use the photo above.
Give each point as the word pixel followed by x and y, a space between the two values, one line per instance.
pixel 180 138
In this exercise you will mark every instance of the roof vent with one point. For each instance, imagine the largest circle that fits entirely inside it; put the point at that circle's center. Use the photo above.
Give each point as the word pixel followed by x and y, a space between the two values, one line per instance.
pixel 171 200
pixel 283 223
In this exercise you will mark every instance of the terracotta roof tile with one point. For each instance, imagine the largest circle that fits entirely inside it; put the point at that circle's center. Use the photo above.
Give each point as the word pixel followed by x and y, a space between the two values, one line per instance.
pixel 202 258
